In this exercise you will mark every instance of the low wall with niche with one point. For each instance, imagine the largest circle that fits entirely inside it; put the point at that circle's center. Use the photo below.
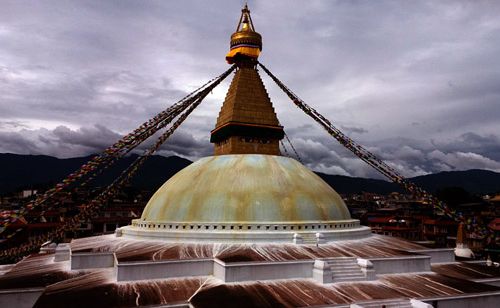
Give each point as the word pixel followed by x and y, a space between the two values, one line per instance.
pixel 20 298
pixel 139 270
pixel 403 264
pixel 84 260
pixel 246 271
pixel 438 255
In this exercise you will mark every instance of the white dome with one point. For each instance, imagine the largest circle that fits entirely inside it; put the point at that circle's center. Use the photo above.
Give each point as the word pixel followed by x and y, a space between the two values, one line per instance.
pixel 241 197
pixel 245 188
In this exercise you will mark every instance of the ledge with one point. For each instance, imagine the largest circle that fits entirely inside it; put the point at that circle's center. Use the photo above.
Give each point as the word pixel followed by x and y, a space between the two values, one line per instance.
pixel 403 264
pixel 252 271
pixel 141 270
pixel 86 260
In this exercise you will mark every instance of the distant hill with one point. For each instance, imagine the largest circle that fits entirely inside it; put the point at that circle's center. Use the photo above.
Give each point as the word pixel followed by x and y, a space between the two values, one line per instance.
pixel 474 181
pixel 34 171
pixel 349 185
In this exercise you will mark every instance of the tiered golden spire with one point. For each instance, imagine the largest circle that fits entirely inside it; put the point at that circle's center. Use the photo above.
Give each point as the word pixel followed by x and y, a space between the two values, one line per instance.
pixel 247 123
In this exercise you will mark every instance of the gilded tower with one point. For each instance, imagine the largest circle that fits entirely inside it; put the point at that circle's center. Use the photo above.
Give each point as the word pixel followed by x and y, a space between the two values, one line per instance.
pixel 247 122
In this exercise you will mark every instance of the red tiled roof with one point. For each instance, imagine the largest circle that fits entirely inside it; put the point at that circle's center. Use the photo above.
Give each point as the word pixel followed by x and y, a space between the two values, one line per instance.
pixel 439 222
pixel 384 219
pixel 495 199
pixel 494 224
pixel 398 228
pixel 112 219
pixel 43 225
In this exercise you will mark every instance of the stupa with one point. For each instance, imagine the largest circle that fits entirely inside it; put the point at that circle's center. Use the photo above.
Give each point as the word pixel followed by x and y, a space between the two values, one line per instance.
pixel 246 228
pixel 247 192
pixel 462 251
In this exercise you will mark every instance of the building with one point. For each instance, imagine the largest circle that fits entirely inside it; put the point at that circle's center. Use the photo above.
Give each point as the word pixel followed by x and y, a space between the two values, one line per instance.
pixel 118 213
pixel 246 228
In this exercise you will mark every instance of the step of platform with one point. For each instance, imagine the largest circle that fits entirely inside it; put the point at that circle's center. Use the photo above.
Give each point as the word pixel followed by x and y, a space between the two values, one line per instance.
pixel 390 303
pixel 346 269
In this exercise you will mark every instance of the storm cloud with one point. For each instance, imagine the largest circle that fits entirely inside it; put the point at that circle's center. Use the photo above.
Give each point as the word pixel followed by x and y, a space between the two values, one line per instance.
pixel 417 83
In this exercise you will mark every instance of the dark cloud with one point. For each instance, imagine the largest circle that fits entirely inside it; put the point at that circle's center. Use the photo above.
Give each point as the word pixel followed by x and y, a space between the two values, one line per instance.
pixel 66 142
pixel 61 141
pixel 15 142
pixel 488 145
pixel 354 130
pixel 411 157
pixel 11 125
pixel 417 82
pixel 97 137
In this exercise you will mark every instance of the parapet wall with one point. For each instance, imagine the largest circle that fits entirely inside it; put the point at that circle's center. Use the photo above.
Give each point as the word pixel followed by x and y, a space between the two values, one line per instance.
pixel 245 232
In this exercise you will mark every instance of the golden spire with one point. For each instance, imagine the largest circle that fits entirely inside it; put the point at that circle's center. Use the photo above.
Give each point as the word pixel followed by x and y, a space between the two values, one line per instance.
pixel 245 42
pixel 247 122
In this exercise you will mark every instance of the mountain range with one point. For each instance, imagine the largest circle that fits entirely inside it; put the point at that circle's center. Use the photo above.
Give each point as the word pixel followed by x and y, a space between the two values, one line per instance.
pixel 19 172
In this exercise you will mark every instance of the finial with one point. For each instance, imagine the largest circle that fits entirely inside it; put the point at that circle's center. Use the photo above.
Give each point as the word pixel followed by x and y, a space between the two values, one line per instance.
pixel 245 23
pixel 245 42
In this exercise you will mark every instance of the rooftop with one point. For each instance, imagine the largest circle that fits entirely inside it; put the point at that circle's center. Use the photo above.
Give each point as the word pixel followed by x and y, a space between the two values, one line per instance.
pixel 114 271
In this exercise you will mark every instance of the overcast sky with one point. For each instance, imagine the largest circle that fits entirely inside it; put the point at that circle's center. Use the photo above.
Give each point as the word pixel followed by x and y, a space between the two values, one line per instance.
pixel 417 82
